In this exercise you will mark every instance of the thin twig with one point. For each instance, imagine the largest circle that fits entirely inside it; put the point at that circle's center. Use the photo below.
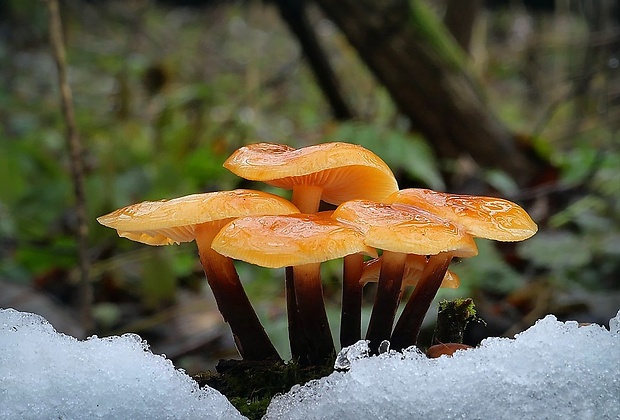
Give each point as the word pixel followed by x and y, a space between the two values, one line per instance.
pixel 76 161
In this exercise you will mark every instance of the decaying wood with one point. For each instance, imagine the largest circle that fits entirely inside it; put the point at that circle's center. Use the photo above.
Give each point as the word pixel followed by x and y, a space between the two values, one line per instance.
pixel 425 71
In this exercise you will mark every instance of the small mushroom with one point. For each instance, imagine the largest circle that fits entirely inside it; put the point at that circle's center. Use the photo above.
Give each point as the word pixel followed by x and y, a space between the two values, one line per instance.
pixel 332 172
pixel 414 266
pixel 485 217
pixel 300 241
pixel 399 231
pixel 445 349
pixel 199 217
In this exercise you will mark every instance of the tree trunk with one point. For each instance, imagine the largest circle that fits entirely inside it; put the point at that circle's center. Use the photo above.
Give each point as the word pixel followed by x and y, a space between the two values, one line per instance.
pixel 294 14
pixel 424 70
pixel 459 19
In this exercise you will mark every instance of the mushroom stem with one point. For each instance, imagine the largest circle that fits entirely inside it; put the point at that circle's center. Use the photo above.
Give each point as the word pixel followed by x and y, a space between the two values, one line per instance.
pixel 386 299
pixel 233 303
pixel 307 198
pixel 318 345
pixel 309 333
pixel 351 317
pixel 408 326
pixel 295 334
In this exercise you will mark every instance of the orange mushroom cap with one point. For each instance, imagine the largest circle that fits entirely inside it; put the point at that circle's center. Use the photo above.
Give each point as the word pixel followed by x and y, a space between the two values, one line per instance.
pixel 172 221
pixel 405 229
pixel 484 217
pixel 344 171
pixel 288 240
pixel 414 266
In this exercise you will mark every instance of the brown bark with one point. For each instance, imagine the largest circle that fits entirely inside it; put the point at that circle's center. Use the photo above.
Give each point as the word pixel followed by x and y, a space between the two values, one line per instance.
pixel 459 19
pixel 294 14
pixel 421 66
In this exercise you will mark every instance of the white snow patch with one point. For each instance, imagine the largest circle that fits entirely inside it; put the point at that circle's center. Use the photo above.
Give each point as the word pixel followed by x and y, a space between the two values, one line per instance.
pixel 45 374
pixel 554 370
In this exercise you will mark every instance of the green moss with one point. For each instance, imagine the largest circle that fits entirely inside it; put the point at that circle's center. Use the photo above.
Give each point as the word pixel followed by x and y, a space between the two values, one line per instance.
pixel 452 319
pixel 251 385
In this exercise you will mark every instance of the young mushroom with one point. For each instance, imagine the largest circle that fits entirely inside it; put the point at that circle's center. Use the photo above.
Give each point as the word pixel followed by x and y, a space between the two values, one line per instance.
pixel 445 349
pixel 414 266
pixel 331 172
pixel 300 241
pixel 484 217
pixel 199 217
pixel 399 231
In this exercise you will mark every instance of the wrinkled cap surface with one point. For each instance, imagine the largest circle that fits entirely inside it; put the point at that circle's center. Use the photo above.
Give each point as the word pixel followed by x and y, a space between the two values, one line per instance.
pixel 288 240
pixel 172 221
pixel 483 217
pixel 405 229
pixel 345 171
pixel 414 266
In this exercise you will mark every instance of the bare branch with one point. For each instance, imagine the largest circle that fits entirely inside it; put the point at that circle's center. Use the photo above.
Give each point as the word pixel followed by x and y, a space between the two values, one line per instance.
pixel 76 161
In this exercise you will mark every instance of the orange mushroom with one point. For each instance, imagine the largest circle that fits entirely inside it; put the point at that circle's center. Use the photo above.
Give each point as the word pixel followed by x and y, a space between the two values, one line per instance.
pixel 482 217
pixel 399 231
pixel 414 266
pixel 331 172
pixel 485 217
pixel 300 241
pixel 445 349
pixel 199 217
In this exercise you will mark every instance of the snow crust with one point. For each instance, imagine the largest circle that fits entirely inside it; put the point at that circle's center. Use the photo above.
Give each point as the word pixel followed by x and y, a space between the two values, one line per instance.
pixel 554 370
pixel 45 375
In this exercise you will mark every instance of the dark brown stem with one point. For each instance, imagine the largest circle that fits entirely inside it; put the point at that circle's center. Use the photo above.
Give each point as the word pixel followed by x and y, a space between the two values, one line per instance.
pixel 351 318
pixel 318 344
pixel 295 333
pixel 233 303
pixel 408 326
pixel 309 334
pixel 386 299
pixel 77 164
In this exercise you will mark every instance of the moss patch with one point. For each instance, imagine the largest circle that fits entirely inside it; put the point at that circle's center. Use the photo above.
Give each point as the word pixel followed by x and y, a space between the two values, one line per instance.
pixel 251 385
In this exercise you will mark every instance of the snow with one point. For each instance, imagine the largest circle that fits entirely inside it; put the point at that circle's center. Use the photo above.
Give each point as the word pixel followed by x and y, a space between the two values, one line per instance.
pixel 553 370
pixel 45 374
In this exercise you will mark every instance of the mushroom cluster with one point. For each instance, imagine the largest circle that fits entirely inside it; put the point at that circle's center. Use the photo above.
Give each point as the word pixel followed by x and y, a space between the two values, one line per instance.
pixel 397 238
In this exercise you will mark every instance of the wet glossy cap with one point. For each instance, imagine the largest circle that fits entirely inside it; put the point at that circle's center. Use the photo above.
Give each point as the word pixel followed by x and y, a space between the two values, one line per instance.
pixel 172 221
pixel 405 229
pixel 345 171
pixel 414 266
pixel 484 217
pixel 289 240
